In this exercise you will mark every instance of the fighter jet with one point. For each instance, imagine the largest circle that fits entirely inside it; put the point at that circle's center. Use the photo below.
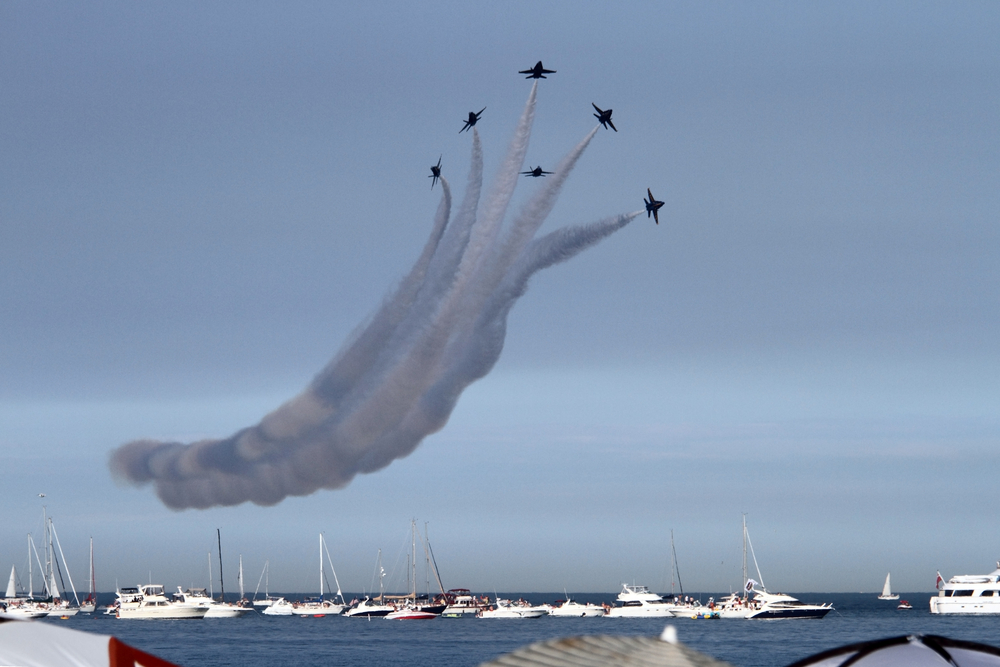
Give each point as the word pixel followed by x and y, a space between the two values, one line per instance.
pixel 435 173
pixel 652 206
pixel 473 117
pixel 537 72
pixel 536 172
pixel 604 117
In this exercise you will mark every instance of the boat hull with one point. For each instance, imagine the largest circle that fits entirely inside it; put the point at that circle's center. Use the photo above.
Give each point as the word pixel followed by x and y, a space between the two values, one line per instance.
pixel 166 612
pixel 965 605
pixel 775 614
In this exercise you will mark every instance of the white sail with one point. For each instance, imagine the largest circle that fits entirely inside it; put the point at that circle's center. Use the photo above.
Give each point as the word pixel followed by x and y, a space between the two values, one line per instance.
pixel 887 591
pixel 11 587
pixel 53 586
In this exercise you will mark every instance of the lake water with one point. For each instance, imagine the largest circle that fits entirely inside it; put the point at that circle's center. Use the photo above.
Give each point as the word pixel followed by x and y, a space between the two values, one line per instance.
pixel 256 640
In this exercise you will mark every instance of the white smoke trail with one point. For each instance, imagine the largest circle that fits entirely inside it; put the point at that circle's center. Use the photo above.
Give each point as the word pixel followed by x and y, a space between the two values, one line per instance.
pixel 400 375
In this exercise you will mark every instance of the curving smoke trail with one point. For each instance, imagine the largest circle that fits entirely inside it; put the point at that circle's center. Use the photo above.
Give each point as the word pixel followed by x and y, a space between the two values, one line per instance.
pixel 399 375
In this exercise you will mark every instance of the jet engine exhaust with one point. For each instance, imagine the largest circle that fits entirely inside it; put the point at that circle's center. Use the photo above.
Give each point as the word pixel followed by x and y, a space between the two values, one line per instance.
pixel 398 377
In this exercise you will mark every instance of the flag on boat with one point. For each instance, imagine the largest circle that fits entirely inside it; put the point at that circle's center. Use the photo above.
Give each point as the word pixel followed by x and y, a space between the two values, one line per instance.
pixel 750 584
pixel 36 644
pixel 940 580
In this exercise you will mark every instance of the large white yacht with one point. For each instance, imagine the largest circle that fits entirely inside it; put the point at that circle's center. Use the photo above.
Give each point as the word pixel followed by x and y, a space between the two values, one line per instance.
pixel 969 594
pixel 637 602
pixel 149 601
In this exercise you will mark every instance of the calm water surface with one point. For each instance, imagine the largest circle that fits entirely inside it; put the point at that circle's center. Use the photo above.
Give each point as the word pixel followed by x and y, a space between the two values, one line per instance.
pixel 256 640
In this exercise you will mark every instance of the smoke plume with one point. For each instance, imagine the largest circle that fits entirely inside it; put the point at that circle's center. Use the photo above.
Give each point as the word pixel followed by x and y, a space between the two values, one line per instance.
pixel 398 377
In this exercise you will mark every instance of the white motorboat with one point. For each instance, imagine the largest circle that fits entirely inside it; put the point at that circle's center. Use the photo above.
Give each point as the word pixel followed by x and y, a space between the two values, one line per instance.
pixel 149 601
pixel 513 609
pixel 369 607
pixel 461 602
pixel 969 594
pixel 572 608
pixel 638 602
pixel 778 605
pixel 199 598
pixel 887 591
pixel 278 607
pixel 903 605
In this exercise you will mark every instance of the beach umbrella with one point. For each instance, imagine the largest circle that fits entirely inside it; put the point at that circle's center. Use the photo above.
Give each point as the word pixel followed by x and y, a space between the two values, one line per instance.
pixel 605 650
pixel 40 644
pixel 908 651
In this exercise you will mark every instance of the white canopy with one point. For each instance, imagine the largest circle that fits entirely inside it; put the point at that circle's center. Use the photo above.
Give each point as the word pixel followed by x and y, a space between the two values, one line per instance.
pixel 39 644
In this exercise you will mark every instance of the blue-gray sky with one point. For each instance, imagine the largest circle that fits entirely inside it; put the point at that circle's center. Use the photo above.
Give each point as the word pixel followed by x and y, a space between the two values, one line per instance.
pixel 198 203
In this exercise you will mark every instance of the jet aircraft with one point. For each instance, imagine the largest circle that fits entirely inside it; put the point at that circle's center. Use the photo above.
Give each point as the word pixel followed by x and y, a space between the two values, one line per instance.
pixel 536 172
pixel 537 72
pixel 604 117
pixel 473 118
pixel 652 206
pixel 435 173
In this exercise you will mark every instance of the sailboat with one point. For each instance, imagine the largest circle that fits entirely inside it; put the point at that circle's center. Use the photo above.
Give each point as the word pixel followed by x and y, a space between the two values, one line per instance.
pixel 89 604
pixel 887 591
pixel 265 577
pixel 19 607
pixel 765 605
pixel 319 607
pixel 407 608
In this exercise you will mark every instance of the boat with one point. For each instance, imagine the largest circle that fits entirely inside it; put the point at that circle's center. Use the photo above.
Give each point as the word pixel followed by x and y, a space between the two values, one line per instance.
pixel 369 607
pixel 887 591
pixel 779 605
pixel 461 602
pixel 198 597
pixel 372 607
pixel 89 604
pixel 513 609
pixel 572 608
pixel 17 606
pixel 278 607
pixel 968 594
pixel 765 605
pixel 268 599
pixel 409 607
pixel 903 604
pixel 636 601
pixel 319 607
pixel 149 601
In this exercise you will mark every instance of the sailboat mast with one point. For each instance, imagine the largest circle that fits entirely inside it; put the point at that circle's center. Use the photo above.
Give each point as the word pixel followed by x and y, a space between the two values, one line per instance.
pixel 241 578
pixel 745 592
pixel 413 555
pixel 31 586
pixel 222 582
pixel 321 566
pixel 93 582
pixel 677 568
